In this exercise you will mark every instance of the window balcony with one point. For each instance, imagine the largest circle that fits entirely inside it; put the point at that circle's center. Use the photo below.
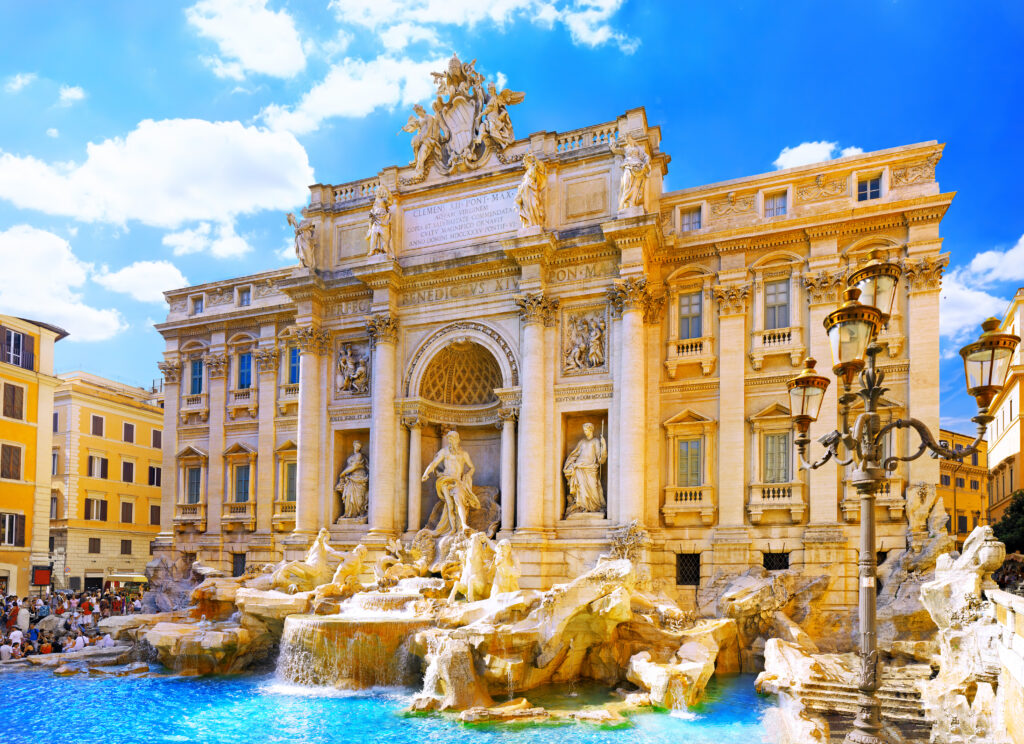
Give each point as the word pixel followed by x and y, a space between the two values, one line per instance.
pixel 683 503
pixel 891 337
pixel 190 515
pixel 287 394
pixel 241 514
pixel 194 404
pixel 777 342
pixel 691 351
pixel 284 516
pixel 787 497
pixel 889 497
pixel 243 400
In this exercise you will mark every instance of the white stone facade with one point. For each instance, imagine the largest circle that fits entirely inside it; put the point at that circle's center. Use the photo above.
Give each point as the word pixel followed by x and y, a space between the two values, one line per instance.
pixel 476 325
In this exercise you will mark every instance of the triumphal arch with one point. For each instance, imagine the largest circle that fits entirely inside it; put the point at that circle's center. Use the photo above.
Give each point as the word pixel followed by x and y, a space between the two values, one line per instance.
pixel 607 352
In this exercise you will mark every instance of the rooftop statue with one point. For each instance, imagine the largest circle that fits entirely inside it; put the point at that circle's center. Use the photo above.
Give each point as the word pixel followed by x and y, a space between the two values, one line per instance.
pixel 470 121
pixel 530 194
pixel 305 242
pixel 636 167
pixel 378 234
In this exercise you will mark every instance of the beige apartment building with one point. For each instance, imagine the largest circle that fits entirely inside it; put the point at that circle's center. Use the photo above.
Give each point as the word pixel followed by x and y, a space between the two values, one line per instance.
pixel 1006 432
pixel 515 290
pixel 106 485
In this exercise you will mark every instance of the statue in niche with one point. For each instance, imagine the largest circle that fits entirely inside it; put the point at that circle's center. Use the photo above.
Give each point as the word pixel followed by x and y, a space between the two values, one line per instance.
pixel 427 139
pixel 378 234
pixel 636 167
pixel 530 194
pixel 506 570
pixel 305 242
pixel 352 484
pixel 454 485
pixel 585 343
pixel 582 470
pixel 352 375
pixel 312 571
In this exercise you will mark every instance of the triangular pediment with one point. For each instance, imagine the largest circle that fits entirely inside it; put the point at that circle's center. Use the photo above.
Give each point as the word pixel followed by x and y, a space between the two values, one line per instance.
pixel 687 416
pixel 188 451
pixel 239 448
pixel 774 410
pixel 287 446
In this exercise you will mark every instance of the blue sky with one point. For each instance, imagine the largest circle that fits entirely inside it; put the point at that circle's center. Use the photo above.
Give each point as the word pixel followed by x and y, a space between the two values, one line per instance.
pixel 147 145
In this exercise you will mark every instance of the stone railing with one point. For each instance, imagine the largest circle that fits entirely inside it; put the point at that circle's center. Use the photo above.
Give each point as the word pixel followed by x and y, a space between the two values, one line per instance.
pixel 284 515
pixel 1010 616
pixel 246 399
pixel 776 496
pixel 777 342
pixel 238 512
pixel 577 139
pixel 682 503
pixel 190 514
pixel 889 497
pixel 690 351
pixel 356 190
pixel 194 404
pixel 287 393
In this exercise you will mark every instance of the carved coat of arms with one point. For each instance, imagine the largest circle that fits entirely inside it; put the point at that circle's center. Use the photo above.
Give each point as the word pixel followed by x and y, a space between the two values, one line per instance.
pixel 469 121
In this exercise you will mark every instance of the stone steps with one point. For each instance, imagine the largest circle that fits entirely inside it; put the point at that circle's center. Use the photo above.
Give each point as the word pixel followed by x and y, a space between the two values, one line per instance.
pixel 900 702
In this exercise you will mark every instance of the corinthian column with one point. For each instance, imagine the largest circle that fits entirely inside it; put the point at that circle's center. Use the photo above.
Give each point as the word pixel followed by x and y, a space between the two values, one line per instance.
pixel 383 331
pixel 312 343
pixel 534 311
pixel 415 472
pixel 631 300
pixel 508 467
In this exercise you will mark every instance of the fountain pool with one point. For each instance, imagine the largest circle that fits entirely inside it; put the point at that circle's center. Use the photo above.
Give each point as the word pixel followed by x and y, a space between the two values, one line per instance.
pixel 260 708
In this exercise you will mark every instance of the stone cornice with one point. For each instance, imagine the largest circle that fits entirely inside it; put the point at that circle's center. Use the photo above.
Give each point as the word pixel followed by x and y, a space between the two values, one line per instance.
pixel 379 273
pixel 534 248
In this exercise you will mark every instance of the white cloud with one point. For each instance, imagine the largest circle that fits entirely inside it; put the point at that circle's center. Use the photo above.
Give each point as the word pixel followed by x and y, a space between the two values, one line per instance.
pixel 43 280
pixel 250 37
pixel 166 174
pixel 989 267
pixel 812 152
pixel 397 37
pixel 588 23
pixel 17 82
pixel 53 132
pixel 70 94
pixel 145 281
pixel 963 306
pixel 355 88
pixel 224 243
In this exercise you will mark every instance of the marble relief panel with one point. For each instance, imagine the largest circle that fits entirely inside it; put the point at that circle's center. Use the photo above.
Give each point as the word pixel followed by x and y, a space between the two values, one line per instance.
pixel 584 340
pixel 352 369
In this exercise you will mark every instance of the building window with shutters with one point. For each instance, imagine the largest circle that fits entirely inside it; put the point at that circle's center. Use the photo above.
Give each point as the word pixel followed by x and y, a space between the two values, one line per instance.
pixel 945 480
pixel 153 478
pixel 54 462
pixel 96 509
pixel 10 462
pixel 245 370
pixel 17 349
pixel 241 484
pixel 56 422
pixel 775 462
pixel 94 545
pixel 690 315
pixel 776 305
pixel 195 377
pixel 961 523
pixel 14 402
pixel 126 547
pixel 959 482
pixel 975 485
pixel 96 427
pixel 53 511
pixel 293 365
pixel 158 439
pixel 128 431
pixel 97 466
pixel 154 514
pixel 127 512
pixel 128 472
pixel 193 485
pixel 12 530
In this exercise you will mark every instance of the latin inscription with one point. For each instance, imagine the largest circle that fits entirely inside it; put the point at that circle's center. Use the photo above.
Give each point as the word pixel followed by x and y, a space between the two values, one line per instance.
pixel 473 217
pixel 458 291
pixel 565 274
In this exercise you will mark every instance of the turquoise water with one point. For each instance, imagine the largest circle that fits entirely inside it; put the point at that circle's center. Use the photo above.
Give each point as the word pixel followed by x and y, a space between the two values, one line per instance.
pixel 255 709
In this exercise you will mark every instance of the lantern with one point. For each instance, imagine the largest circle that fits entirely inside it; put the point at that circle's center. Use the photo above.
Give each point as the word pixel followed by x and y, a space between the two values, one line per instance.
pixel 850 329
pixel 806 393
pixel 987 362
pixel 877 282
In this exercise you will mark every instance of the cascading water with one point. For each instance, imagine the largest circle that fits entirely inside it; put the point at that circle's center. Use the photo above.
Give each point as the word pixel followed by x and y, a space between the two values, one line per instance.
pixel 365 645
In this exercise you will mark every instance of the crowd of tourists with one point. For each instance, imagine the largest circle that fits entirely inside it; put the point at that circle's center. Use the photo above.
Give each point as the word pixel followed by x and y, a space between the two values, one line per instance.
pixel 60 622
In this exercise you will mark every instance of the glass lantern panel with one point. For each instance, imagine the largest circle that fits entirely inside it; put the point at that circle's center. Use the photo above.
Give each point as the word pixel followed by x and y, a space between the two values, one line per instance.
pixel 849 341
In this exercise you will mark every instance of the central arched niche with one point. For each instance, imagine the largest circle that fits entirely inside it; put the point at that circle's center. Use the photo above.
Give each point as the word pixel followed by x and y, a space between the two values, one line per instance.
pixel 463 373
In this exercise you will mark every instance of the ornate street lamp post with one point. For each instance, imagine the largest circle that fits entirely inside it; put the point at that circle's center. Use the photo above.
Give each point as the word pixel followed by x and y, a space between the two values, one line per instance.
pixel 852 330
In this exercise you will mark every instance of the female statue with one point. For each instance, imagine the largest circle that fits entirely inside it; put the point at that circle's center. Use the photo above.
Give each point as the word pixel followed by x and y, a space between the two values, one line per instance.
pixel 636 167
pixel 378 234
pixel 352 484
pixel 530 195
pixel 583 471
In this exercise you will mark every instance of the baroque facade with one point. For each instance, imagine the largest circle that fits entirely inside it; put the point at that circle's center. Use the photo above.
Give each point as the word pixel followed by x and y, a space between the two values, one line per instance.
pixel 516 290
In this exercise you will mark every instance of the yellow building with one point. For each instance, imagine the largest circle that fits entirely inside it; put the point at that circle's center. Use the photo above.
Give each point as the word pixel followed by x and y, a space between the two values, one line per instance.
pixel 105 505
pixel 963 486
pixel 26 376
pixel 1005 433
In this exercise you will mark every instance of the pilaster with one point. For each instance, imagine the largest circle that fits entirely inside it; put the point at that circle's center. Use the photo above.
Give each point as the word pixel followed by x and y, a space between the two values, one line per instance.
pixel 733 299
pixel 313 343
pixel 383 331
pixel 171 370
pixel 216 364
pixel 266 364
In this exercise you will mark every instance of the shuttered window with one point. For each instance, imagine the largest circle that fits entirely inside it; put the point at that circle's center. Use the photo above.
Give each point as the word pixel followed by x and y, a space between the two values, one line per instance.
pixel 193 476
pixel 12 530
pixel 94 545
pixel 154 514
pixel 126 547
pixel 688 470
pixel 244 371
pixel 97 466
pixel 128 472
pixel 16 348
pixel 127 512
pixel 154 476
pixel 195 377
pixel 96 509
pixel 14 401
pixel 129 433
pixel 10 462
pixel 293 365
pixel 776 458
pixel 241 483
pixel 158 439
pixel 97 426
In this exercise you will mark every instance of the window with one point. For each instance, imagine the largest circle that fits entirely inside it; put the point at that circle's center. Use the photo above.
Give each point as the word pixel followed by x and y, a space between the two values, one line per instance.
pixel 290 471
pixel 197 305
pixel 154 514
pixel 869 188
pixel 10 462
pixel 154 476
pixel 17 349
pixel 687 569
pixel 776 458
pixel 12 530
pixel 193 478
pixel 776 305
pixel 241 483
pixel 237 564
pixel 195 377
pixel 944 480
pixel 94 545
pixel 96 509
pixel 127 512
pixel 974 485
pixel 54 462
pixel 293 365
pixel 689 219
pixel 688 471
pixel 244 297
pixel 14 401
pixel 128 472
pixel 775 204
pixel 97 426
pixel 959 482
pixel 961 523
pixel 158 439
pixel 53 510
pixel 56 421
pixel 129 433
pixel 690 315
pixel 126 547
pixel 245 371
pixel 974 459
pixel 776 561
pixel 97 466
